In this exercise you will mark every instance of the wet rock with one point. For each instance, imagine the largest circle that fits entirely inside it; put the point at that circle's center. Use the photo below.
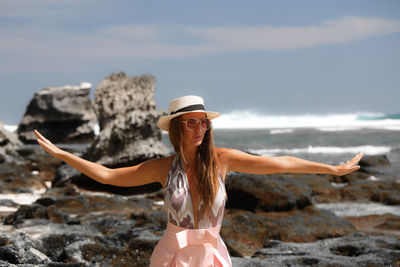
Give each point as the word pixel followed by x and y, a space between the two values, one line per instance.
pixel 382 191
pixel 386 224
pixel 62 114
pixel 244 232
pixel 266 193
pixel 127 116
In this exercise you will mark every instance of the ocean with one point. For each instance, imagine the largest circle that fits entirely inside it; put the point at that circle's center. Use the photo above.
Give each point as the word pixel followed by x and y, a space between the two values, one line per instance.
pixel 332 138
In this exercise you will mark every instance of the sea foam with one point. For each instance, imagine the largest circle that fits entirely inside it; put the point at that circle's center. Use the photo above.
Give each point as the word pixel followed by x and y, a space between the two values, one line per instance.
pixel 328 122
pixel 367 150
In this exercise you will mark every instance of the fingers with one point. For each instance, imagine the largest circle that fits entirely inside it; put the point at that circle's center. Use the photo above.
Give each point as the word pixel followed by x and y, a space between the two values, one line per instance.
pixel 41 137
pixel 355 160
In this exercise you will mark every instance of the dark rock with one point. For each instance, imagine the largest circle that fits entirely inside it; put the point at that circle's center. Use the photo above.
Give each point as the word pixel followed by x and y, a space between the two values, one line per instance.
pixel 245 232
pixel 32 173
pixel 62 114
pixel 158 218
pixel 266 193
pixel 374 161
pixel 127 116
pixel 353 250
pixel 25 212
pixel 8 253
pixel 308 225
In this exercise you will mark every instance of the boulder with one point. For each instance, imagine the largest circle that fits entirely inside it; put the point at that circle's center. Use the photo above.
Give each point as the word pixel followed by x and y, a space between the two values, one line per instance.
pixel 127 116
pixel 244 232
pixel 266 193
pixel 62 114
pixel 374 161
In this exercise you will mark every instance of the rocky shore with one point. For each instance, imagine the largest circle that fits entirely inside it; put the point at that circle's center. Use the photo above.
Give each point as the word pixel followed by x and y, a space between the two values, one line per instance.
pixel 51 215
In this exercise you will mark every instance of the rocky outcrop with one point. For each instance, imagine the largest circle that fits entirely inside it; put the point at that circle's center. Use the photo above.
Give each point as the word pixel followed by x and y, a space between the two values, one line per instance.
pixel 28 172
pixel 266 193
pixel 8 144
pixel 62 114
pixel 69 226
pixel 129 133
pixel 244 232
pixel 127 116
pixel 353 250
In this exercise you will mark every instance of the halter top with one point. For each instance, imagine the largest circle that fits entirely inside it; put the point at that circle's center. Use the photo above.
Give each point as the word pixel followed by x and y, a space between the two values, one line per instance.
pixel 178 201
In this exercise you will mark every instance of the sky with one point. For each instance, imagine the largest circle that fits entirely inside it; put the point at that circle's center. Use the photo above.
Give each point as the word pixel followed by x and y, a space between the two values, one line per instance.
pixel 270 57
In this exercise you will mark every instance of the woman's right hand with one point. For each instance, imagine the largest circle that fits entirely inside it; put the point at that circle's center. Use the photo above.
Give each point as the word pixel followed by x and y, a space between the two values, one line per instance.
pixel 48 146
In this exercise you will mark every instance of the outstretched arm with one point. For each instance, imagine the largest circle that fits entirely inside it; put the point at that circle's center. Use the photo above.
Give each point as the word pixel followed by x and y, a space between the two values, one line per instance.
pixel 144 173
pixel 235 160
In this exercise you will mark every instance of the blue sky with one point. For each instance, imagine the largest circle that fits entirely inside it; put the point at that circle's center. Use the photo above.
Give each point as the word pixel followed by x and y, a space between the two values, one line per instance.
pixel 272 57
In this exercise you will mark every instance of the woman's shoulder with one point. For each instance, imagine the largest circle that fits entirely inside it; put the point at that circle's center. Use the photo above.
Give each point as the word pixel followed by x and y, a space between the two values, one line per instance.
pixel 162 166
pixel 164 161
pixel 224 152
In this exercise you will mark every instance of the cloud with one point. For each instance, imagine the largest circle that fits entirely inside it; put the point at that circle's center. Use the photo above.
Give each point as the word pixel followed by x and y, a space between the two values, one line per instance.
pixel 266 38
pixel 163 41
pixel 34 9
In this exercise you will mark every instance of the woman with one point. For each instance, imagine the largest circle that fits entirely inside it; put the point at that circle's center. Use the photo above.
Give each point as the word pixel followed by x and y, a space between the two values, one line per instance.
pixel 193 177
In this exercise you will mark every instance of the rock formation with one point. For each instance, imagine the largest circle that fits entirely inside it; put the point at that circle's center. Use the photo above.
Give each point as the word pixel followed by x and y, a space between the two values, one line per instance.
pixel 8 144
pixel 127 116
pixel 62 114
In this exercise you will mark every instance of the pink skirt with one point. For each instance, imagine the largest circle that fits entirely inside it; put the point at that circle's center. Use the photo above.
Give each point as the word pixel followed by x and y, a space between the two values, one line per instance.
pixel 180 247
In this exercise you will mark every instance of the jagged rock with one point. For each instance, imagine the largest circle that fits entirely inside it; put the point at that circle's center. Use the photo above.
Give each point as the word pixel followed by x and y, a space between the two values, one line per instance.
pixel 61 114
pixel 127 116
pixel 9 142
pixel 266 193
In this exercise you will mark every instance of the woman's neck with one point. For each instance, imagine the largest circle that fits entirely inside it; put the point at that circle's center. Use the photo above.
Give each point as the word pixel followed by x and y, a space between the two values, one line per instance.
pixel 189 153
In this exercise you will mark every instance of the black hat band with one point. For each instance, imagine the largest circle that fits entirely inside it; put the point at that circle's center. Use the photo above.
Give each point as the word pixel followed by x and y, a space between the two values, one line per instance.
pixel 189 108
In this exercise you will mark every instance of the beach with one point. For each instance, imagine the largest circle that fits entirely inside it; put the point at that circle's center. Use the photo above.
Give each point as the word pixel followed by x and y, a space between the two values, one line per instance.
pixel 51 214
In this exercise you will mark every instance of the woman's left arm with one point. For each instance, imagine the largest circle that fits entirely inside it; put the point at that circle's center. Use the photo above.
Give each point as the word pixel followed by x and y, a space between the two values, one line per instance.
pixel 239 161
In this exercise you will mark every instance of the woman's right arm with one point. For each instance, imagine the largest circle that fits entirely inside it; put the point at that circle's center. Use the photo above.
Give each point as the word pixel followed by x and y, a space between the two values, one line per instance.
pixel 144 173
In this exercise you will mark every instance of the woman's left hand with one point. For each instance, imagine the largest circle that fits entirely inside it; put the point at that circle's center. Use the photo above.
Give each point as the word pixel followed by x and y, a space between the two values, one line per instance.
pixel 349 166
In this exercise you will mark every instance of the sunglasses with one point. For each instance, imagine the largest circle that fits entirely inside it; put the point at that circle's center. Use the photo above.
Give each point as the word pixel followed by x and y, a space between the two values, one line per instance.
pixel 191 124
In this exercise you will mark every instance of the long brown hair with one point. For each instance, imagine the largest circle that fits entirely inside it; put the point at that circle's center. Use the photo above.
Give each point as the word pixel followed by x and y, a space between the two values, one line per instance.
pixel 206 164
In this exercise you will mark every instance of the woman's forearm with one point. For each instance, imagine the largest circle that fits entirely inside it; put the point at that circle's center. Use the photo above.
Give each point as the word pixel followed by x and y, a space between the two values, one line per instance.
pixel 296 165
pixel 93 170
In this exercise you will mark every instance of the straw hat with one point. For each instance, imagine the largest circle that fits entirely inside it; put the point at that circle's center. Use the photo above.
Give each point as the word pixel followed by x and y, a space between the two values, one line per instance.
pixel 183 105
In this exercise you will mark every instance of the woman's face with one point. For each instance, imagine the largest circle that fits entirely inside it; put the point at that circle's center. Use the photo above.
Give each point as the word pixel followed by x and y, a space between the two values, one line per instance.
pixel 193 137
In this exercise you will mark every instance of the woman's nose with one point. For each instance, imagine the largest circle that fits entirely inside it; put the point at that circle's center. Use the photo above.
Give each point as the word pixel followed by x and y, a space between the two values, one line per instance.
pixel 198 127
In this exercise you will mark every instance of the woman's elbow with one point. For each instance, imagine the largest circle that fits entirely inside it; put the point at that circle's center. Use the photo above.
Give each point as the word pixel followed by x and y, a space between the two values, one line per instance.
pixel 107 176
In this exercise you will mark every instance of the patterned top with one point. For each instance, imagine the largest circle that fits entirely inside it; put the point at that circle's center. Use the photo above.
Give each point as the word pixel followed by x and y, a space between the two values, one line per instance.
pixel 178 201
